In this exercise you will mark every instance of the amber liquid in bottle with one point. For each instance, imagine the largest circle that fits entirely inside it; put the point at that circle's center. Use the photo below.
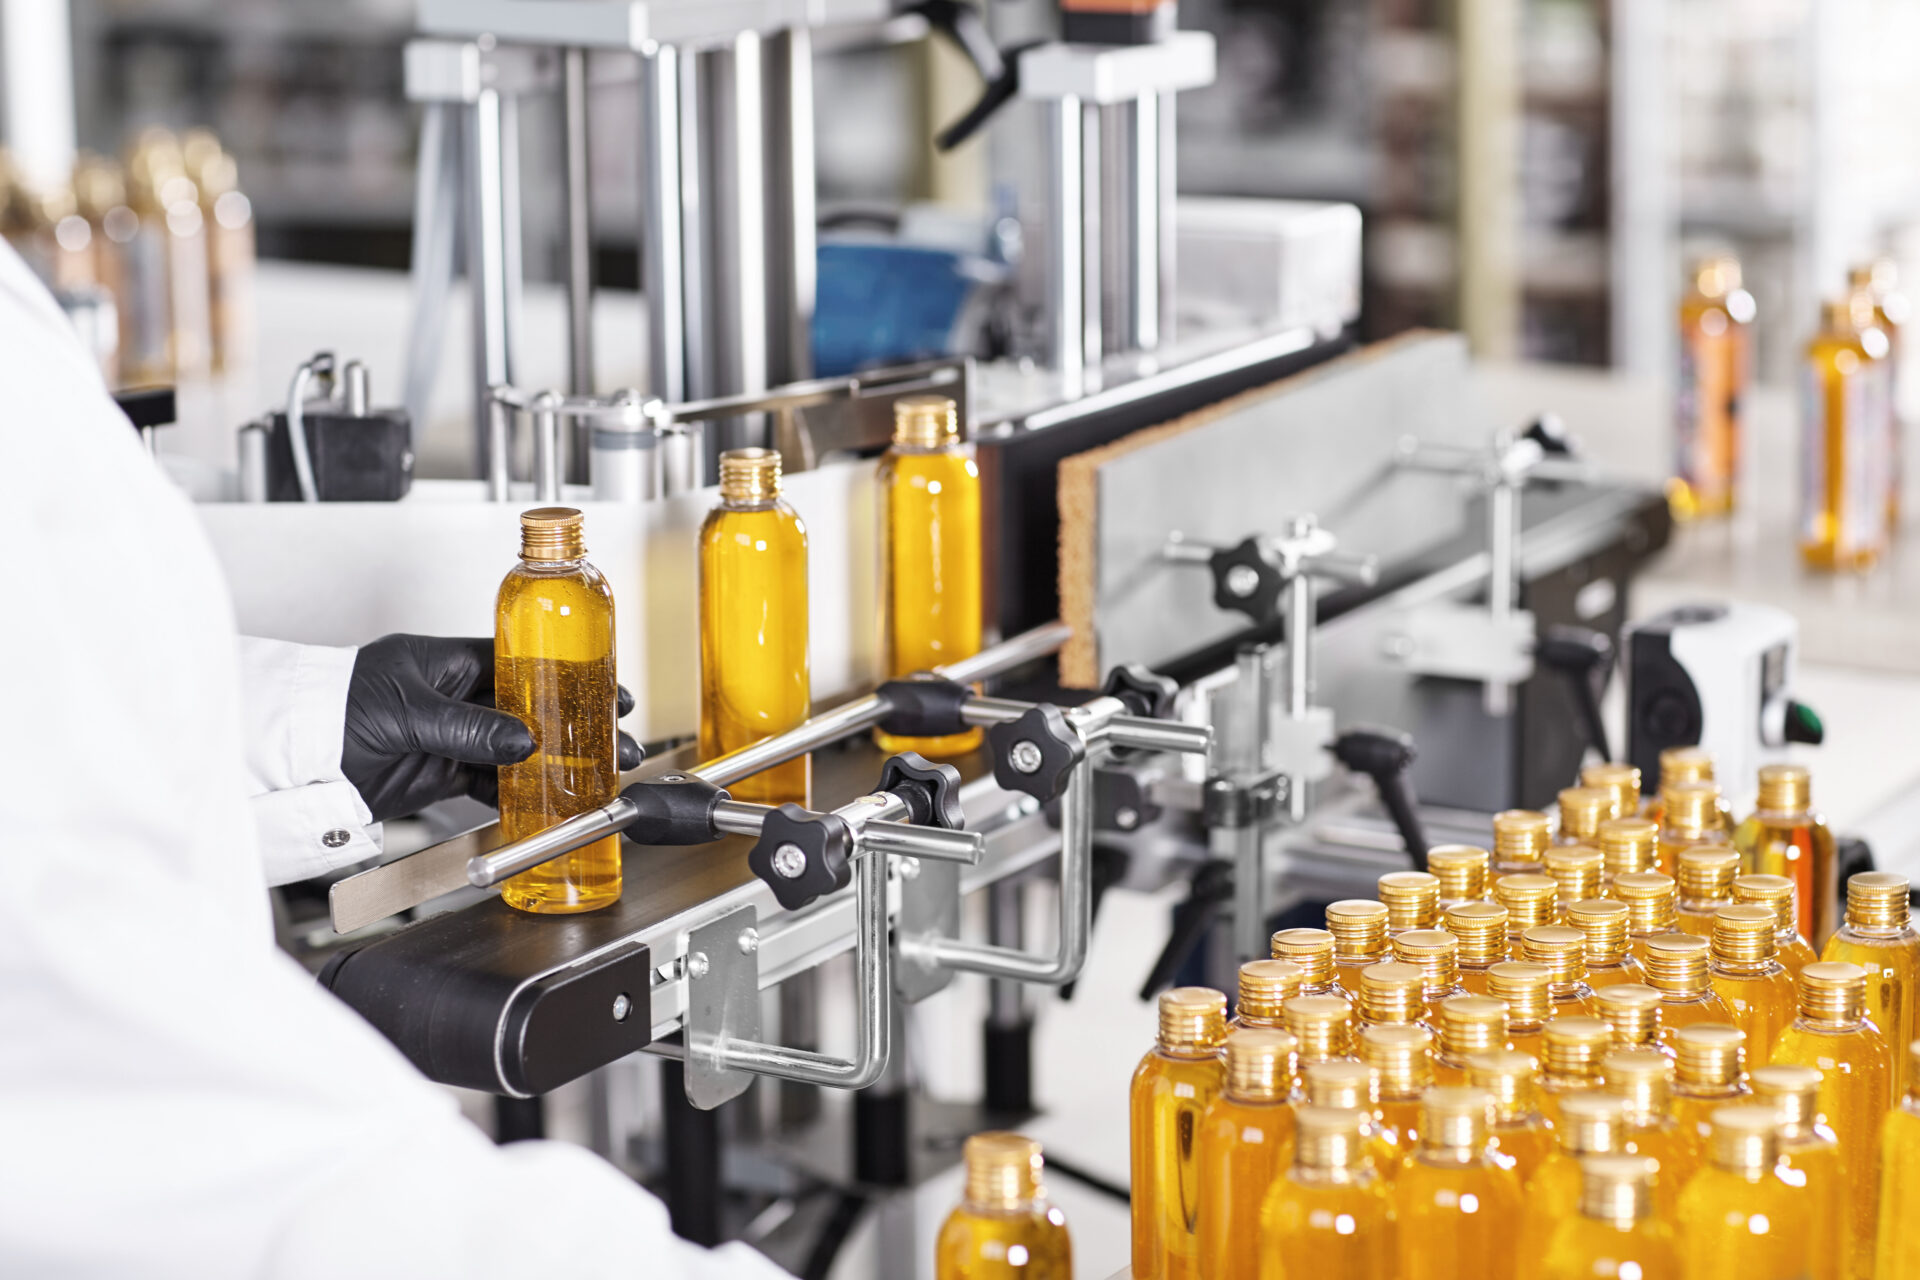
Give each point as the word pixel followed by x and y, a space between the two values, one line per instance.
pixel 1738 1217
pixel 1898 1254
pixel 1642 1079
pixel 1456 1204
pixel 1756 988
pixel 1616 1235
pixel 930 604
pixel 1844 480
pixel 1677 966
pixel 1004 1229
pixel 1591 1124
pixel 1790 946
pixel 1245 1138
pixel 1714 316
pixel 1709 1073
pixel 1330 1215
pixel 1784 837
pixel 1879 937
pixel 1810 1156
pixel 754 678
pixel 1172 1088
pixel 1522 1138
pixel 554 669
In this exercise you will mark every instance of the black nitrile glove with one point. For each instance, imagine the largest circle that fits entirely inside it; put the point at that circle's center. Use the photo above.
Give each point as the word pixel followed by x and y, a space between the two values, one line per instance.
pixel 421 725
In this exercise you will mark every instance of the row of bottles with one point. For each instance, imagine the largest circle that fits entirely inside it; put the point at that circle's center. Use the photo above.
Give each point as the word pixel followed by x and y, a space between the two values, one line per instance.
pixel 554 637
pixel 1851 465
pixel 153 260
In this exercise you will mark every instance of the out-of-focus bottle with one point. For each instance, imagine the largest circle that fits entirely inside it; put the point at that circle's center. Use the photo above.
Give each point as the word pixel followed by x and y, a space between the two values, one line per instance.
pixel 1692 813
pixel 1571 1065
pixel 171 334
pixel 1172 1088
pixel 1810 1152
pixel 1522 1138
pixel 1347 1084
pixel 1524 989
pixel 1461 870
pixel 1778 894
pixel 1679 967
pixel 1879 937
pixel 1004 1227
pixel 1412 898
pixel 1455 1203
pixel 1621 779
pixel 1628 845
pixel 231 256
pixel 1520 840
pixel 1705 875
pixel 1312 950
pixel 101 198
pixel 1632 1009
pixel 1709 1072
pixel 1323 1025
pixel 1582 810
pixel 1714 360
pixel 1844 466
pixel 1590 1124
pixel 1330 1214
pixel 1834 1035
pixel 1244 1135
pixel 1436 953
pixel 1898 1253
pixel 1879 280
pixel 754 676
pixel 1785 837
pixel 1564 951
pixel 1390 996
pixel 1265 988
pixel 1359 929
pixel 1653 907
pixel 1750 981
pixel 1469 1025
pixel 1481 928
pixel 1603 922
pixel 1680 765
pixel 1738 1216
pixel 1575 869
pixel 1402 1056
pixel 1643 1079
pixel 1615 1236
pixel 553 662
pixel 930 565
pixel 1530 900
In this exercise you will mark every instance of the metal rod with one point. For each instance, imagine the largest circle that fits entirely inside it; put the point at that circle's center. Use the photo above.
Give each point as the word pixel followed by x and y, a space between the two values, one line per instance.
pixel 1090 272
pixel 499 466
pixel 660 211
pixel 1300 622
pixel 1066 281
pixel 1247 844
pixel 1503 516
pixel 562 837
pixel 1143 298
pixel 547 448
pixel 906 841
pixel 1143 734
pixel 487 264
pixel 579 245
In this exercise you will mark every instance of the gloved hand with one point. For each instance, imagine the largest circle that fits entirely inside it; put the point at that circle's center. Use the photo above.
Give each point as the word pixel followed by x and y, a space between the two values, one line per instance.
pixel 421 725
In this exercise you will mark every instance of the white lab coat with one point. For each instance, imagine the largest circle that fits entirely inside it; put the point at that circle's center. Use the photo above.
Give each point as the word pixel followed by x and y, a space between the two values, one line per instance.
pixel 177 1097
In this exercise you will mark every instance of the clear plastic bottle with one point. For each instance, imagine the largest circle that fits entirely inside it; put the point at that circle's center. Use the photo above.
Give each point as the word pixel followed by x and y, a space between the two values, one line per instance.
pixel 1462 870
pixel 1435 952
pixel 1359 929
pixel 1678 967
pixel 1653 907
pixel 1582 810
pixel 1563 950
pixel 1576 870
pixel 930 566
pixel 1705 874
pixel 1172 1088
pixel 754 676
pixel 1616 1235
pixel 1244 1135
pixel 1790 947
pixel 1455 1203
pixel 1898 1253
pixel 1643 1079
pixel 1520 839
pixel 1524 988
pixel 1530 900
pixel 1004 1227
pixel 1312 950
pixel 1709 420
pixel 1679 766
pixel 1810 1154
pixel 1571 1065
pixel 1590 1124
pixel 554 668
pixel 1402 1056
pixel 1389 996
pixel 1412 898
pixel 1329 1215
pixel 1785 837
pixel 1468 1026
pixel 1756 987
pixel 1845 474
pixel 1738 1217
pixel 1879 937
pixel 1604 921
pixel 1481 928
pixel 1522 1138
pixel 1265 987
pixel 1709 1060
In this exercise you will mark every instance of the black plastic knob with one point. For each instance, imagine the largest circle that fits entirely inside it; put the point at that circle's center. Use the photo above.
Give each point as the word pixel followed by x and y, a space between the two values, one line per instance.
pixel 1144 692
pixel 802 855
pixel 1246 581
pixel 930 791
pixel 1036 752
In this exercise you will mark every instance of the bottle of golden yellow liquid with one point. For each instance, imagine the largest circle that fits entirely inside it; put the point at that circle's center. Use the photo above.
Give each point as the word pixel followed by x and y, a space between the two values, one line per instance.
pixel 1590 1124
pixel 1468 1025
pixel 1680 765
pixel 1481 928
pixel 553 668
pixel 1845 482
pixel 1621 779
pixel 1172 1088
pixel 1738 1217
pixel 1004 1228
pixel 1265 987
pixel 1523 988
pixel 1571 1065
pixel 754 679
pixel 1347 1084
pixel 1520 840
pixel 1705 875
pixel 1575 869
pixel 1777 893
pixel 1714 360
pixel 1244 1135
pixel 1898 1252
pixel 1632 1009
pixel 1628 845
pixel 1412 898
pixel 1402 1057
pixel 1455 1203
pixel 1530 900
pixel 1312 950
pixel 1564 951
pixel 1390 996
pixel 1879 937
pixel 1582 810
pixel 231 258
pixel 1785 837
pixel 1880 281
pixel 1522 1138
pixel 1323 1025
pixel 1359 929
pixel 1810 1154
pixel 1616 1235
pixel 1678 966
pixel 1435 952
pixel 1462 870
pixel 1643 1079
pixel 930 554
pixel 1330 1214
pixel 1755 987
pixel 1834 1036
pixel 1653 906
pixel 1692 813
pixel 1709 1072
pixel 1604 921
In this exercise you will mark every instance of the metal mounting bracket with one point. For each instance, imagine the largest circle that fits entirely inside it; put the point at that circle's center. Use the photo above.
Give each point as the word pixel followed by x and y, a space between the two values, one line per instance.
pixel 723 1005
pixel 929 908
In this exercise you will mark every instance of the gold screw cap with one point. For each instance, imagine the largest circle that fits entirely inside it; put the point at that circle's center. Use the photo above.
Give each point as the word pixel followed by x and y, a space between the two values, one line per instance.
pixel 1526 989
pixel 1561 949
pixel 1652 899
pixel 1685 764
pixel 1341 1083
pixel 1785 788
pixel 1322 1024
pixel 1507 1075
pixel 1691 809
pixel 1472 1024
pixel 1266 985
pixel 1003 1170
pixel 1743 935
pixel 1582 810
pixel 552 534
pixel 1435 952
pixel 1744 1139
pixel 1193 1020
pixel 1794 1089
pixel 1481 928
pixel 1329 1137
pixel 1640 1077
pixel 1632 1009
pixel 1455 1118
pixel 1623 780
pixel 1260 1063
pixel 1629 844
pixel 1705 872
pixel 1412 898
pixel 749 475
pixel 1591 1123
pixel 1574 1046
pixel 925 422
pixel 1311 949
pixel 1603 921
pixel 1833 991
pixel 1520 837
pixel 1575 869
pixel 1709 1054
pixel 1676 963
pixel 1391 992
pixel 1359 929
pixel 1776 892
pixel 1403 1055
pixel 1461 869
pixel 1529 900
pixel 1877 900
pixel 1617 1189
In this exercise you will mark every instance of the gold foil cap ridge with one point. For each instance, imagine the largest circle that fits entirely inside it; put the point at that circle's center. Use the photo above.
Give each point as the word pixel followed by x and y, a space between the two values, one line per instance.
pixel 1709 1054
pixel 749 475
pixel 1461 869
pixel 1520 837
pixel 1743 934
pixel 1311 949
pixel 1632 1009
pixel 1677 963
pixel 1260 1063
pixel 1629 844
pixel 1833 992
pixel 1878 900
pixel 1266 985
pixel 1435 952
pixel 1192 1020
pixel 1529 899
pixel 552 535
pixel 1412 899
pixel 1576 871
pixel 1784 788
pixel 1526 989
pixel 1391 992
pixel 1359 928
pixel 1653 901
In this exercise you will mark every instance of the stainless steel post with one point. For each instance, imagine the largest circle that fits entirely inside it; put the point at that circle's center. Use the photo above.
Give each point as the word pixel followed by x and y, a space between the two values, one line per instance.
pixel 1144 227
pixel 1300 622
pixel 579 248
pixel 490 260
pixel 1066 281
pixel 791 217
pixel 661 225
pixel 1006 928
pixel 547 447
pixel 1249 841
pixel 1503 527
pixel 498 442
pixel 1091 344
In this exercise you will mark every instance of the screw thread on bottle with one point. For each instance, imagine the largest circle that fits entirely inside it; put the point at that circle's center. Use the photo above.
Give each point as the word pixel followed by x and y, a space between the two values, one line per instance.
pixel 1322 1024
pixel 1403 1055
pixel 1573 1047
pixel 552 535
pixel 749 476
pixel 926 422
pixel 1562 950
pixel 1776 893
pixel 1507 1075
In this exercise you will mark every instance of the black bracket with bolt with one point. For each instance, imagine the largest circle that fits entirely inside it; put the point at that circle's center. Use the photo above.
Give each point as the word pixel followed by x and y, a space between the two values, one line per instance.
pixel 1244 802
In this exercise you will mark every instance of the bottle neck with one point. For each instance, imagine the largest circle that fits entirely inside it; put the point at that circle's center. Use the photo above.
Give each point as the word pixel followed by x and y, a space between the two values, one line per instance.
pixel 552 566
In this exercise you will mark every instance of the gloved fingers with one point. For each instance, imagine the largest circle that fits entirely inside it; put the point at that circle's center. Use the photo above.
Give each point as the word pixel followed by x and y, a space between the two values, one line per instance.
pixel 481 783
pixel 624 704
pixel 458 666
pixel 631 753
pixel 468 732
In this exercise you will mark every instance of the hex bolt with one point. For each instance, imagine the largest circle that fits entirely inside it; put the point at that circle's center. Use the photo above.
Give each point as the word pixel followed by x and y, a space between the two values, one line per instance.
pixel 697 965
pixel 1126 819
pixel 622 1006
pixel 749 941
pixel 1242 581
pixel 789 862
pixel 1025 757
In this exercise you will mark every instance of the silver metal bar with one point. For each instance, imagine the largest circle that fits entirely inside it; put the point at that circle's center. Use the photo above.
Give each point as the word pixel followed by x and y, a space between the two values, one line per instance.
pixel 356 389
pixel 1503 533
pixel 1142 734
pixel 792 252
pixel 562 837
pixel 1016 651
pixel 661 226
pixel 487 264
pixel 1066 279
pixel 1300 622
pixel 1142 311
pixel 904 840
pixel 578 216
pixel 548 448
pixel 1006 929
pixel 1248 843
pixel 499 464
pixel 1091 344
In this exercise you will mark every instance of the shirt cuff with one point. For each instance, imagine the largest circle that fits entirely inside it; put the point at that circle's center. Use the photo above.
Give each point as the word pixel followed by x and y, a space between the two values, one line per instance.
pixel 313 831
pixel 317 709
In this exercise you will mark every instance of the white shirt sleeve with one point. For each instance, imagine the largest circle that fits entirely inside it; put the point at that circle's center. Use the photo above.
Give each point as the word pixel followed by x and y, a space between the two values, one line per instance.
pixel 293 703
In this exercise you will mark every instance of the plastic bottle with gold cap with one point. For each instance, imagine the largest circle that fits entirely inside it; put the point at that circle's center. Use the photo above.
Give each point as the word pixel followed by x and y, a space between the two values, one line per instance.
pixel 1004 1227
pixel 1582 810
pixel 1632 1009
pixel 1777 892
pixel 1834 1035
pixel 1785 837
pixel 1879 937
pixel 1715 318
pixel 1692 813
pixel 1435 952
pixel 1679 967
pixel 1520 838
pixel 1265 987
pixel 1359 929
pixel 1738 1216
pixel 1750 981
pixel 1322 1024
pixel 1678 765
pixel 1562 949
pixel 1897 1254
pixel 1705 876
pixel 1590 1124
pixel 1810 1152
pixel 1643 1079
pixel 1523 988
pixel 1330 1214
pixel 1312 950
pixel 1348 1084
pixel 754 679
pixel 1603 921
pixel 1628 845
pixel 1709 1071
pixel 930 554
pixel 1616 1235
pixel 1653 905
pixel 227 215
pixel 1522 1138
pixel 1530 900
pixel 1390 995
pixel 553 667
pixel 1456 1204
pixel 1573 1047
pixel 1844 482
pixel 1412 898
pixel 1463 871
pixel 1576 870
pixel 1172 1088
pixel 1622 779
pixel 1245 1134
pixel 1481 928
pixel 1403 1058
pixel 1879 281
pixel 1465 1026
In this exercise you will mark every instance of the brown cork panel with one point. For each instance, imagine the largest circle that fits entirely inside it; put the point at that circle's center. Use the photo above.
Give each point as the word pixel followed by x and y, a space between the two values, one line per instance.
pixel 1079 493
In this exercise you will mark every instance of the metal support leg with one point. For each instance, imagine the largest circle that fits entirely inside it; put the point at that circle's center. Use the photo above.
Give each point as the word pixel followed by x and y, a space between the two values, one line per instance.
pixel 1247 843
pixel 660 233
pixel 693 1160
pixel 800 1027
pixel 436 233
pixel 882 1121
pixel 1131 225
pixel 1066 282
pixel 1008 1041
pixel 579 248
pixel 493 257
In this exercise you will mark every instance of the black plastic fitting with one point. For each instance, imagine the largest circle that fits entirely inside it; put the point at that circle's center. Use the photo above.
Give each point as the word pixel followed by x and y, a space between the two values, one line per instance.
pixel 676 808
pixel 1036 752
pixel 930 791
pixel 927 708
pixel 803 855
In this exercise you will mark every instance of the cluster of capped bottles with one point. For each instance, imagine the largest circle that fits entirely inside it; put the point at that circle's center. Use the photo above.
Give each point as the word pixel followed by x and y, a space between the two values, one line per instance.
pixel 554 637
pixel 1634 1043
